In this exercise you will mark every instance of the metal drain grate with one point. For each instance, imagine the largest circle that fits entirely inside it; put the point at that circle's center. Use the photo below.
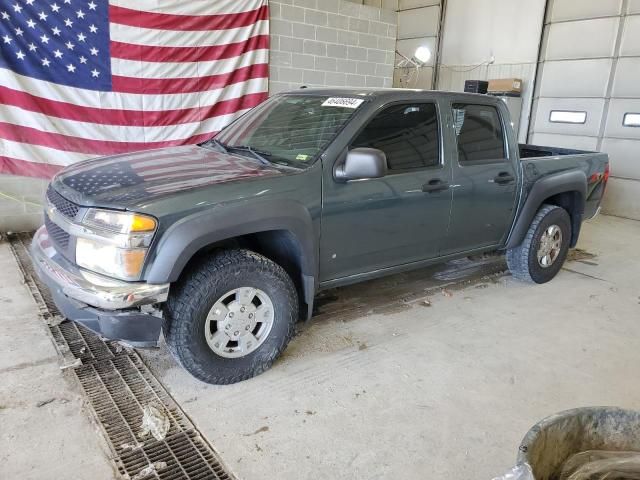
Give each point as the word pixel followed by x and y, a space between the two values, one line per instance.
pixel 118 386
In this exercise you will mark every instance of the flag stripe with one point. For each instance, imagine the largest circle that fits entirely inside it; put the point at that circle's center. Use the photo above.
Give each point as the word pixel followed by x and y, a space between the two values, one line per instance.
pixel 113 116
pixel 155 53
pixel 150 36
pixel 91 131
pixel 28 151
pixel 129 101
pixel 69 143
pixel 192 7
pixel 166 21
pixel 188 85
pixel 167 70
pixel 14 166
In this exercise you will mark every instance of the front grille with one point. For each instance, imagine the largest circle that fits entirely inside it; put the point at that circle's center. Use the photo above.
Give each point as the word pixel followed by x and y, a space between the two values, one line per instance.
pixel 64 206
pixel 59 236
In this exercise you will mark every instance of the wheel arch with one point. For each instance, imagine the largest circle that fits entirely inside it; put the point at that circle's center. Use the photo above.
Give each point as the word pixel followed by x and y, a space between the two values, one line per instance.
pixel 280 231
pixel 566 190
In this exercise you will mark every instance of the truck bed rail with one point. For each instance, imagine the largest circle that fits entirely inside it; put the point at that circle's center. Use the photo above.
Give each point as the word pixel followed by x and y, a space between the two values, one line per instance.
pixel 535 151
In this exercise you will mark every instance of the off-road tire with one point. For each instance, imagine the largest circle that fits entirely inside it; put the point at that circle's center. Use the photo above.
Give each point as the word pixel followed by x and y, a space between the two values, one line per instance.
pixel 191 298
pixel 523 260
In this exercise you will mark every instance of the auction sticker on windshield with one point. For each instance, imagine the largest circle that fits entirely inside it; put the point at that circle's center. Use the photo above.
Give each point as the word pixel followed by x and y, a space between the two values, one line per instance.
pixel 342 102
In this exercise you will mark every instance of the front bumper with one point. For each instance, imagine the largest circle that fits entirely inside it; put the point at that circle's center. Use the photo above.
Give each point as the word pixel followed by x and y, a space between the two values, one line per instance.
pixel 106 306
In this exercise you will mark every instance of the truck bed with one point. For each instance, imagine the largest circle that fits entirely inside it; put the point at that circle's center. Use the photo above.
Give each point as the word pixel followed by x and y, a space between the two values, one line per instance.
pixel 540 162
pixel 534 151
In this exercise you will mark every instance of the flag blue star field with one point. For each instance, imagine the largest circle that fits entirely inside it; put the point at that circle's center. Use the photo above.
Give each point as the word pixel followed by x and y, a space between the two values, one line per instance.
pixel 64 43
pixel 85 78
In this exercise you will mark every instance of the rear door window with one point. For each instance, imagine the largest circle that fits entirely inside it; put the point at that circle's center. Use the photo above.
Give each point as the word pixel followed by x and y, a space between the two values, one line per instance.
pixel 479 134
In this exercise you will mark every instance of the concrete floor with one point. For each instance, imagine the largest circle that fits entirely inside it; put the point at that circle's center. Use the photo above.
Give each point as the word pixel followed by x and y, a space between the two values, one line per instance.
pixel 45 433
pixel 381 384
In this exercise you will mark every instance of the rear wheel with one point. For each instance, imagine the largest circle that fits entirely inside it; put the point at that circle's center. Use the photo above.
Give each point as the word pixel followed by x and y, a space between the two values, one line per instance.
pixel 544 249
pixel 229 319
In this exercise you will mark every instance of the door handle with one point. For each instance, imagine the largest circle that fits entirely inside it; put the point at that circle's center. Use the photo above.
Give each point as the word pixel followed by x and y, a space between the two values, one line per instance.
pixel 504 178
pixel 435 185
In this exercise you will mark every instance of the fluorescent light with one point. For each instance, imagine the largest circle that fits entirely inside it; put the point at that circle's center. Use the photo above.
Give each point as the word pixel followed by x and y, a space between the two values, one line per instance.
pixel 564 116
pixel 631 120
pixel 422 54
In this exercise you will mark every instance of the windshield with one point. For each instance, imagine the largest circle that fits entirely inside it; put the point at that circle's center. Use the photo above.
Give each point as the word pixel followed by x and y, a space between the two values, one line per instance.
pixel 289 129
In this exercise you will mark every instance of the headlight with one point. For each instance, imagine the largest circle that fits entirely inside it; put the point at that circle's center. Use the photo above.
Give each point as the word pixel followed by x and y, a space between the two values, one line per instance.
pixel 115 243
pixel 119 222
pixel 124 263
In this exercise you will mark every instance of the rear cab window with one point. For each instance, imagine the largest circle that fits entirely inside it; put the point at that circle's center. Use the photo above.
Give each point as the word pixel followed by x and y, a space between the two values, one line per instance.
pixel 479 134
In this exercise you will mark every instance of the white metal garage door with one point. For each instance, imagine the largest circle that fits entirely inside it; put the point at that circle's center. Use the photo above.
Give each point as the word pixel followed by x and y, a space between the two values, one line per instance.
pixel 588 89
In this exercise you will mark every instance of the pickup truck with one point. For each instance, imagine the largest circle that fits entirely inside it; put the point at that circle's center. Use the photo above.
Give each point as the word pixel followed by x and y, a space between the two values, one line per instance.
pixel 222 246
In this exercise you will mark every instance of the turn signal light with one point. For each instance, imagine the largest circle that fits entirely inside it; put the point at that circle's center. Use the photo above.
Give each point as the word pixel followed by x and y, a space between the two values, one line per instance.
pixel 141 223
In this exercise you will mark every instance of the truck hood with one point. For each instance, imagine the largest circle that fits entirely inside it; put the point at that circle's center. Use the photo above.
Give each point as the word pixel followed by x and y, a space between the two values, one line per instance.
pixel 128 180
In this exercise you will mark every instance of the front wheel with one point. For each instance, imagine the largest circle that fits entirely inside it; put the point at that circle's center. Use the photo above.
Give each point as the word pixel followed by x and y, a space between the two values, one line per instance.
pixel 544 249
pixel 231 317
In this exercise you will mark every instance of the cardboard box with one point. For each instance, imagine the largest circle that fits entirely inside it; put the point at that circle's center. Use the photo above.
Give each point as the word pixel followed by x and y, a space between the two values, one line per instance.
pixel 505 85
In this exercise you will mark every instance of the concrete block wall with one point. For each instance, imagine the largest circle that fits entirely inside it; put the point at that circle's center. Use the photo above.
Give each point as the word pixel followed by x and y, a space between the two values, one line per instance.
pixel 386 4
pixel 334 43
pixel 21 201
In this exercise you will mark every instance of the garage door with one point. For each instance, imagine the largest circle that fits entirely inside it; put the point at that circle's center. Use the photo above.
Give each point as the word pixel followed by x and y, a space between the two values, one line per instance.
pixel 418 26
pixel 588 92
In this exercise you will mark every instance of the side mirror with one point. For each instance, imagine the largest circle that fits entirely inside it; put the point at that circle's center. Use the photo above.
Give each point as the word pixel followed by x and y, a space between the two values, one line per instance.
pixel 362 163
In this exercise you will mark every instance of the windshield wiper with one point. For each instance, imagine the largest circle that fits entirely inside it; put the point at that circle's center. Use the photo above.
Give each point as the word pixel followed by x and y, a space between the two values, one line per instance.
pixel 258 154
pixel 215 142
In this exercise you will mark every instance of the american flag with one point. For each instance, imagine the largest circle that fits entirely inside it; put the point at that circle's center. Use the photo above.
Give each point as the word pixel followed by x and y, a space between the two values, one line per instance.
pixel 86 78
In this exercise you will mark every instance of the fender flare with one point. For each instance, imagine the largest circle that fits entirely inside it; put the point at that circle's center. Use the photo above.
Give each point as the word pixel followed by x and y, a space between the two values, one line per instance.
pixel 572 181
pixel 182 240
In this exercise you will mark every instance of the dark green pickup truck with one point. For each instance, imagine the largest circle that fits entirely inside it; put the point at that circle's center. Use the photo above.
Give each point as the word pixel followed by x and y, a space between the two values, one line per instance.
pixel 224 245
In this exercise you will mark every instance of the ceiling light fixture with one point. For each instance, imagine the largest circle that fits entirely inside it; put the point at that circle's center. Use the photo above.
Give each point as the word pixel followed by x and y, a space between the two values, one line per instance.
pixel 422 54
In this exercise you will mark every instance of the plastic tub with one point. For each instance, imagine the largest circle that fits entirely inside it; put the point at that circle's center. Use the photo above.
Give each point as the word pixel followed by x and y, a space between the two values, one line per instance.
pixel 553 440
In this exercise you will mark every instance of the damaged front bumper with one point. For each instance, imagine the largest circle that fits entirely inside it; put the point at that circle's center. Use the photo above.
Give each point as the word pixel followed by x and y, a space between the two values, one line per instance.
pixel 105 305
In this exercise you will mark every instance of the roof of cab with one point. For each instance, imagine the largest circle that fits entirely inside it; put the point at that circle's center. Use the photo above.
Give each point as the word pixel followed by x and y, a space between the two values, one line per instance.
pixel 386 93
